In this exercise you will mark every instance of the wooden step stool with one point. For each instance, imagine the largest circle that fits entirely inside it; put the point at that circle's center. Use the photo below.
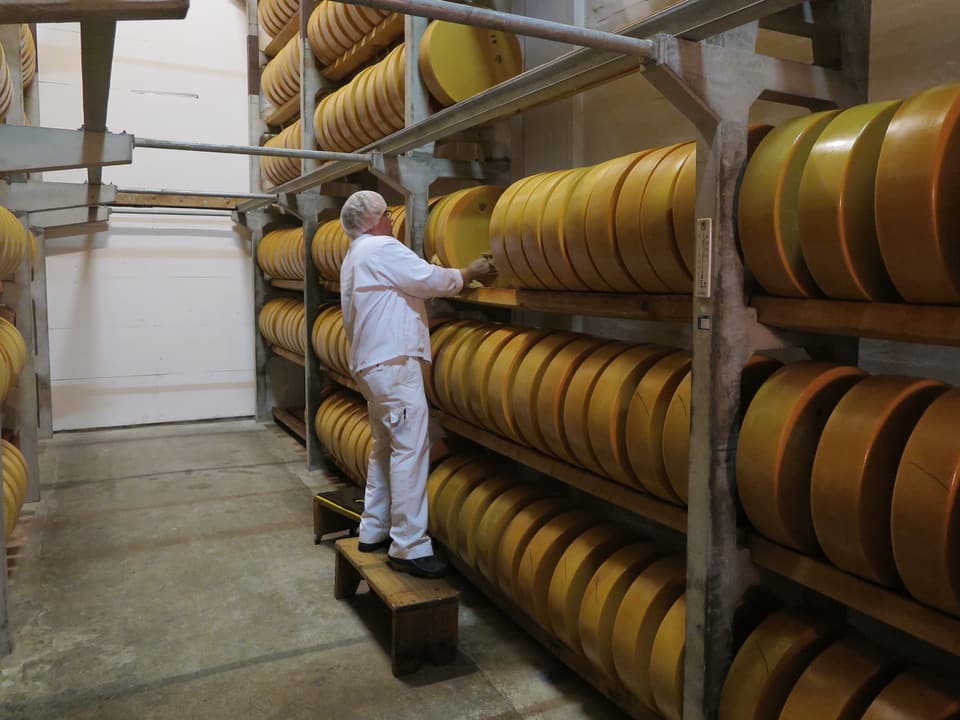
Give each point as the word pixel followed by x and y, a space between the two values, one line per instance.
pixel 336 511
pixel 424 613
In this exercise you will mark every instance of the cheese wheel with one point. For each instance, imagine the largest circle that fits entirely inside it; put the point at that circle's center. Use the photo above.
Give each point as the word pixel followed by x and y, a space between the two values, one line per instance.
pixel 463 530
pixel 459 61
pixel 493 523
pixel 475 383
pixel 396 81
pixel 608 406
pixel 841 682
pixel 572 574
pixel 440 476
pixel 644 605
pixel 502 376
pixel 553 237
pixel 463 225
pixel 438 338
pixel 778 442
pixel 675 439
pixel 644 423
pixel 685 212
pixel 516 537
pixel 526 388
pixel 513 231
pixel 912 696
pixel 838 235
pixel 451 495
pixel 918 181
pixel 531 231
pixel 502 213
pixel 431 233
pixel 925 522
pixel 769 195
pixel 666 661
pixel 575 238
pixel 656 222
pixel 540 560
pixel 443 361
pixel 851 488
pixel 576 401
pixel 769 664
pixel 461 367
pixel 602 599
pixel 601 221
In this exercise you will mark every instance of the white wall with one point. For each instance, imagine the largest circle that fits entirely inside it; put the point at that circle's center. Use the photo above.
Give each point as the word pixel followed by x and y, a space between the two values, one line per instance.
pixel 151 320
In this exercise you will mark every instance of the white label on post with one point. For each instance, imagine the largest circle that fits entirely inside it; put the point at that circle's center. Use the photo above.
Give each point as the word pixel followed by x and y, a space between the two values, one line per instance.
pixel 703 286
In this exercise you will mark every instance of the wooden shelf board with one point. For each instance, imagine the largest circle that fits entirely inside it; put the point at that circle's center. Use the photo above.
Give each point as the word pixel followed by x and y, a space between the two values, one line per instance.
pixel 277 42
pixel 176 200
pixel 889 607
pixel 292 420
pixel 284 114
pixel 931 324
pixel 14 11
pixel 367 48
pixel 287 355
pixel 282 284
pixel 640 503
pixel 340 379
pixel 674 308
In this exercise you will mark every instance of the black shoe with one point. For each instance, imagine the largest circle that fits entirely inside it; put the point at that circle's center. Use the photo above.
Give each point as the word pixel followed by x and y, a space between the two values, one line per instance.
pixel 373 547
pixel 425 567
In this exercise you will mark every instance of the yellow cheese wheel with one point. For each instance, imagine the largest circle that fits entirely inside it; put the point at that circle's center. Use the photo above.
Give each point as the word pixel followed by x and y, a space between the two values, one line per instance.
pixel 463 225
pixel 575 239
pixel 395 81
pixel 465 529
pixel 461 367
pixel 685 212
pixel 666 661
pixel 439 477
pixel 838 234
pixel 656 222
pixel 448 347
pixel 576 401
pixel 644 423
pixel 531 231
pixel 494 522
pixel 841 682
pixel 431 232
pixel 778 442
pixel 459 61
pixel 517 535
pixel 450 496
pixel 502 212
pixel 608 406
pixel 540 559
pixel 553 238
pixel 644 605
pixel 925 523
pixel 769 664
pixel 602 599
pixel 513 231
pixel 572 574
pixel 918 181
pixel 438 338
pixel 675 440
pixel 851 487
pixel 600 227
pixel 476 382
pixel 502 376
pixel 913 696
pixel 769 228
pixel 526 389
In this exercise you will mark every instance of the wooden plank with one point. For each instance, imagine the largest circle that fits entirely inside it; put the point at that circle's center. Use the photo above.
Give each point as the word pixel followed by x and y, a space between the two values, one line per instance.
pixel 283 37
pixel 896 610
pixel 931 324
pixel 292 420
pixel 287 355
pixel 59 11
pixel 640 503
pixel 367 48
pixel 176 200
pixel 281 284
pixel 631 306
pixel 286 113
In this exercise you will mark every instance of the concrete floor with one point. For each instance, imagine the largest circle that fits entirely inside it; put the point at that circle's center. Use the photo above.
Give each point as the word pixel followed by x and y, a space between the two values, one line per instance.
pixel 170 572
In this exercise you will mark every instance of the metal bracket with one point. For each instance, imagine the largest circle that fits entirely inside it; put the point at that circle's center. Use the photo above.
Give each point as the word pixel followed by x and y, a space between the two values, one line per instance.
pixel 36 149
pixel 34 197
pixel 68 217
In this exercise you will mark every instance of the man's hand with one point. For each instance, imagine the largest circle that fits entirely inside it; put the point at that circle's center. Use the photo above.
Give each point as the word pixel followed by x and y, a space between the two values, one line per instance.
pixel 482 270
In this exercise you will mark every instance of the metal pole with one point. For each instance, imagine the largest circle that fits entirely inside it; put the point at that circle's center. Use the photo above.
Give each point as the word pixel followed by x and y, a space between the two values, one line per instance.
pixel 532 27
pixel 247 150
pixel 137 210
pixel 198 193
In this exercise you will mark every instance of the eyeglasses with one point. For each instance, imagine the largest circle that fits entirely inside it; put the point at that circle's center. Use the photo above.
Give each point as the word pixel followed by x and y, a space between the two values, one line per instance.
pixel 387 215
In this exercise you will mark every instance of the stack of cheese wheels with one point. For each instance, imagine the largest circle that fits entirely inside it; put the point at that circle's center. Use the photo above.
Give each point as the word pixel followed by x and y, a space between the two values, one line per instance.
pixel 13 243
pixel 15 478
pixel 343 428
pixel 335 27
pixel 457 230
pixel 330 341
pixel 274 14
pixel 459 61
pixel 13 355
pixel 280 254
pixel 329 247
pixel 6 86
pixel 368 108
pixel 28 56
pixel 279 170
pixel 915 695
pixel 281 76
pixel 283 323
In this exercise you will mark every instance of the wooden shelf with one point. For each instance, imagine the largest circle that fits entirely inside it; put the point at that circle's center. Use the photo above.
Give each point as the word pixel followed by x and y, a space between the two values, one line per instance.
pixel 343 380
pixel 640 503
pixel 367 48
pixel 292 420
pixel 287 355
pixel 282 284
pixel 673 308
pixel 931 324
pixel 889 607
pixel 283 37
pixel 282 116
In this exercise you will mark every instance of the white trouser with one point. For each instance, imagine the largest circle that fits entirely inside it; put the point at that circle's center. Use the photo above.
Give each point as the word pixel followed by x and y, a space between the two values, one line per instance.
pixel 395 501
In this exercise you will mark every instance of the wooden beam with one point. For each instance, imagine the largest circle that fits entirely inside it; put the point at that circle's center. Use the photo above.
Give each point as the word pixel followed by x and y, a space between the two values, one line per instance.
pixel 176 200
pixel 13 11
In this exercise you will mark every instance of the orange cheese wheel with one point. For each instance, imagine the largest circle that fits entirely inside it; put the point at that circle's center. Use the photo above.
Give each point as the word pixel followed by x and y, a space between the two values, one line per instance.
pixel 769 664
pixel 778 443
pixel 769 194
pixel 513 231
pixel 644 423
pixel 572 574
pixel 531 231
pixel 602 598
pixel 553 237
pixel 838 234
pixel 675 440
pixel 925 522
pixel 912 696
pixel 576 401
pixel 644 605
pixel 656 222
pixel 841 682
pixel 441 475
pixel 463 535
pixel 475 382
pixel 608 406
pixel 851 488
pixel 918 181
pixel 494 522
pixel 502 376
pixel 666 661
pixel 685 212
pixel 540 559
pixel 517 535
pixel 575 239
pixel 451 495
pixel 526 389
pixel 502 212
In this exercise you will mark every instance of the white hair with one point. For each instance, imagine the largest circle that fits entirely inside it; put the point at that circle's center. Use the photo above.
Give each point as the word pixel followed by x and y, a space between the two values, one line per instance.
pixel 362 211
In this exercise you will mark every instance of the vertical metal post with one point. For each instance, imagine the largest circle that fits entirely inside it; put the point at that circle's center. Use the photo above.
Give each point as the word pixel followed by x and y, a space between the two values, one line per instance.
pixel 417 108
pixel 6 639
pixel 311 204
pixel 38 291
pixel 255 60
pixel 10 39
pixel 261 292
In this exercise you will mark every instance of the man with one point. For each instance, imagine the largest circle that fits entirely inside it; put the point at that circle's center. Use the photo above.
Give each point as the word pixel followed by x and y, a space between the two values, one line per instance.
pixel 383 285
